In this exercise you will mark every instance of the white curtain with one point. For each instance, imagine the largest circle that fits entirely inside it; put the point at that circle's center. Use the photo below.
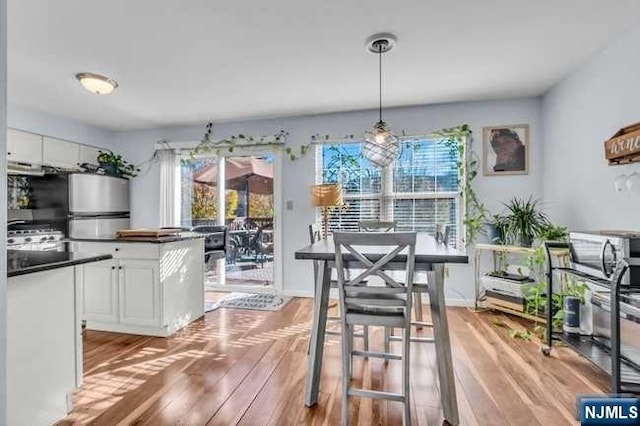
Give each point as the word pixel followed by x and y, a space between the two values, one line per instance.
pixel 169 187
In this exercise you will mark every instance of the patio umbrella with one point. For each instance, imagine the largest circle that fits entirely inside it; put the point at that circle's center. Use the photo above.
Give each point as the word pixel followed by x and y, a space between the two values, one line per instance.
pixel 241 173
pixel 250 174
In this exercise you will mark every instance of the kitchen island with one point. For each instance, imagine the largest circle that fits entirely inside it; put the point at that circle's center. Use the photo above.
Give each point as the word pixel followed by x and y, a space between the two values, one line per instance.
pixel 44 334
pixel 152 286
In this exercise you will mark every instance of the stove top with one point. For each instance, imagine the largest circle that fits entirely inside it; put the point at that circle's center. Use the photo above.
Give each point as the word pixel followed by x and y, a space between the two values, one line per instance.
pixel 34 231
pixel 33 237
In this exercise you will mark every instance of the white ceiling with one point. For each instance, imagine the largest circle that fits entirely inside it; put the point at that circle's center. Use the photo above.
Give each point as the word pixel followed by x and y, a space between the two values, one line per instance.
pixel 191 61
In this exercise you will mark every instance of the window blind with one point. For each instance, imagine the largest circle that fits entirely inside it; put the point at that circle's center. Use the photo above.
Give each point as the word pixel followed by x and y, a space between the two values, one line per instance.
pixel 419 190
pixel 425 187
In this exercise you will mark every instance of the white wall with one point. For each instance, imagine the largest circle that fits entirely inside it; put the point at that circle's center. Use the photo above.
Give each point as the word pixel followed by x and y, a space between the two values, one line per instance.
pixel 298 176
pixel 56 126
pixel 579 114
pixel 3 212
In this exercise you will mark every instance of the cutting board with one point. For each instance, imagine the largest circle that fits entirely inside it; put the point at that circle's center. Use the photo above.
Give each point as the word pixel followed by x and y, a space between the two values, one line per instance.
pixel 147 233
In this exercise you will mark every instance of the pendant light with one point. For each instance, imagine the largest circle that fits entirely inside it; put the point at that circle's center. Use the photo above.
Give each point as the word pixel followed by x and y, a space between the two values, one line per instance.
pixel 380 145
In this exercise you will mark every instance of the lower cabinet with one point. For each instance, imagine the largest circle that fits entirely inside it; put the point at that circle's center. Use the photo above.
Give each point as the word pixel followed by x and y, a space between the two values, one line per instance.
pixel 139 288
pixel 100 291
pixel 122 291
pixel 145 289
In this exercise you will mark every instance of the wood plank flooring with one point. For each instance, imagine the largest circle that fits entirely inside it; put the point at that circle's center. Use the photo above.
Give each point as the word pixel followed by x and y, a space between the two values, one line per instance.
pixel 248 368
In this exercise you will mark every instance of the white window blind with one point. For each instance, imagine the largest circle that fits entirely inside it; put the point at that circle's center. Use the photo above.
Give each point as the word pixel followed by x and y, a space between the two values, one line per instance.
pixel 419 191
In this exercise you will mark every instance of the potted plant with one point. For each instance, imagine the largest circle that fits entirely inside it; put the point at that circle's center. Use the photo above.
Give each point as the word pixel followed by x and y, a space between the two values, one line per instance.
pixel 495 228
pixel 113 164
pixel 551 232
pixel 523 221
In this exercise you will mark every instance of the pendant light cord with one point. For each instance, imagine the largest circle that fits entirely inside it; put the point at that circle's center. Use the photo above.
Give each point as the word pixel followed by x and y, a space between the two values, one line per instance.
pixel 380 74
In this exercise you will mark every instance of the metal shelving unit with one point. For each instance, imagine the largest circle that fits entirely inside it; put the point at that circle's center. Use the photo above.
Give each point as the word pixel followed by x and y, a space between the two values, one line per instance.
pixel 494 249
pixel 503 249
pixel 624 373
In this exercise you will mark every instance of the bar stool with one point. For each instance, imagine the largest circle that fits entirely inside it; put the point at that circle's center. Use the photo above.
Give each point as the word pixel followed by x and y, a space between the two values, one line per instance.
pixel 315 234
pixel 420 284
pixel 388 306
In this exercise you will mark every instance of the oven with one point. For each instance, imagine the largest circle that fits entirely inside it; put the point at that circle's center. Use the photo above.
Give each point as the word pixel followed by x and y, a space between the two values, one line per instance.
pixel 597 253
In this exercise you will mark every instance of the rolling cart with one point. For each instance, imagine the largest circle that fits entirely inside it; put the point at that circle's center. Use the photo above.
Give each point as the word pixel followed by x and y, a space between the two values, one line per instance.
pixel 606 355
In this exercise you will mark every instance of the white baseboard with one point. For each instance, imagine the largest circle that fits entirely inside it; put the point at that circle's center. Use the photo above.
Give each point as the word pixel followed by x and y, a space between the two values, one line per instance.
pixel 334 295
pixel 298 293
pixel 459 302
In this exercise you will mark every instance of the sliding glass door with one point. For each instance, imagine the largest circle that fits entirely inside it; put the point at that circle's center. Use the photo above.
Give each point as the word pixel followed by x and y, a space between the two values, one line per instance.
pixel 236 191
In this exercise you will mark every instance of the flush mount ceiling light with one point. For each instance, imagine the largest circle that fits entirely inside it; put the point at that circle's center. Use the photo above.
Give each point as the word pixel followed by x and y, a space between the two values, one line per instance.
pixel 380 146
pixel 96 83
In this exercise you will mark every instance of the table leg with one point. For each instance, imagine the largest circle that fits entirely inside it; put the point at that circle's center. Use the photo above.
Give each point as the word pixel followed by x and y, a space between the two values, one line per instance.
pixel 476 274
pixel 443 345
pixel 318 328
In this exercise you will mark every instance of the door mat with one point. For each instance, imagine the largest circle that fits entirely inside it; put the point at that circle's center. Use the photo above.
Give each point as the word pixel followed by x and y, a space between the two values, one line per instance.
pixel 211 305
pixel 257 301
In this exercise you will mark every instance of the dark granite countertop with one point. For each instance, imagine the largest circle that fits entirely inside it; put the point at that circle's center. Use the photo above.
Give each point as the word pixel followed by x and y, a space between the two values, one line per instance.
pixel 21 262
pixel 170 239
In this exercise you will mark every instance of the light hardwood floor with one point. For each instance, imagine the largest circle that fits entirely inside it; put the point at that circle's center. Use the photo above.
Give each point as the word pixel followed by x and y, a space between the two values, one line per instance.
pixel 248 367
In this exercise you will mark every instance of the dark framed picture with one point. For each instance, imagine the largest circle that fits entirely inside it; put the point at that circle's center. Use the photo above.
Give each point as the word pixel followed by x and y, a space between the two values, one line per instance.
pixel 506 150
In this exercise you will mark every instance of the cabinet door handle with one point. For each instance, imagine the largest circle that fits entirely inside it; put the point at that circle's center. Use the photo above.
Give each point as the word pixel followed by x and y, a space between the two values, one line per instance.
pixel 120 267
pixel 117 249
pixel 113 267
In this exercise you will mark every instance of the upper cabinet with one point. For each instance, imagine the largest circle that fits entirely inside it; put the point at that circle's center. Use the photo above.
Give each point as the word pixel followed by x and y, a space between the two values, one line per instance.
pixel 59 153
pixel 89 154
pixel 24 147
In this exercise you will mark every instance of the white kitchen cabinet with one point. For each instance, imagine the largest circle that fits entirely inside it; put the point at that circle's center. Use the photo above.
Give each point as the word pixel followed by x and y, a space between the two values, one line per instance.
pixel 60 153
pixel 44 346
pixel 24 147
pixel 100 291
pixel 139 288
pixel 89 154
pixel 149 289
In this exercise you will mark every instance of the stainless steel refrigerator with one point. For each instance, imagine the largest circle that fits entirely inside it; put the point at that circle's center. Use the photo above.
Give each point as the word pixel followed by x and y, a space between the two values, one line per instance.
pixel 98 205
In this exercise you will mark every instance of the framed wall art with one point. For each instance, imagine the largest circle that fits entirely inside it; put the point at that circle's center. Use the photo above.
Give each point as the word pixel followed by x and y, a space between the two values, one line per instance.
pixel 505 150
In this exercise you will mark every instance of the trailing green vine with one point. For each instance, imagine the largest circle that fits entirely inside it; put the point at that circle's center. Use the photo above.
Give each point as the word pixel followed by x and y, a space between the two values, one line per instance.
pixel 278 141
pixel 536 300
pixel 275 142
pixel 458 140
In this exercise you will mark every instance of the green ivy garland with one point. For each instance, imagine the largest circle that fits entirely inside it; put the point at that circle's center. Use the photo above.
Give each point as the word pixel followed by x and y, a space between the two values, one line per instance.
pixel 455 138
pixel 207 144
pixel 475 212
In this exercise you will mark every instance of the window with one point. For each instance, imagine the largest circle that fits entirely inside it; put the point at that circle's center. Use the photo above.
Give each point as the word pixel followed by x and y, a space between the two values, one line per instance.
pixel 419 191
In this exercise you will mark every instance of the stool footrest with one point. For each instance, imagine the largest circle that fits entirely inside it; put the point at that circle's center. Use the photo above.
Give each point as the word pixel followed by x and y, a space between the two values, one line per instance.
pixel 338 333
pixel 413 339
pixel 383 355
pixel 363 393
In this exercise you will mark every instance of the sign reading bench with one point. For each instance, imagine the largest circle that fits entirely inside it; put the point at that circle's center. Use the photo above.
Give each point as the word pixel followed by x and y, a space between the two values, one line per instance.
pixel 624 146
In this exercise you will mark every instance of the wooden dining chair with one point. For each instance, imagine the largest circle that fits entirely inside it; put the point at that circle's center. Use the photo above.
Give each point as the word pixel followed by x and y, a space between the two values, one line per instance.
pixel 388 306
pixel 315 234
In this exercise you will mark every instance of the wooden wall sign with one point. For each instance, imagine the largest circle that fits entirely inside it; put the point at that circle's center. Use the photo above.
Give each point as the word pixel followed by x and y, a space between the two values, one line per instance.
pixel 624 146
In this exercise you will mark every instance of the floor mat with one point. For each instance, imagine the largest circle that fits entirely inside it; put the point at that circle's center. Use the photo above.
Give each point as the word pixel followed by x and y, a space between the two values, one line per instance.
pixel 257 301
pixel 211 305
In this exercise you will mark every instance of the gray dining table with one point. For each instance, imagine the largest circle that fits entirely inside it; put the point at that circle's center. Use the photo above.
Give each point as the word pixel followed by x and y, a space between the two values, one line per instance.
pixel 430 257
